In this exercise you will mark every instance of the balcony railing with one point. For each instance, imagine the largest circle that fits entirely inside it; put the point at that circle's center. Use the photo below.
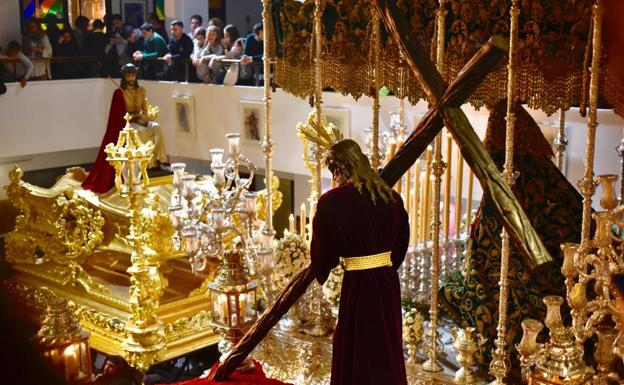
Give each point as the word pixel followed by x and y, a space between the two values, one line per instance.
pixel 90 67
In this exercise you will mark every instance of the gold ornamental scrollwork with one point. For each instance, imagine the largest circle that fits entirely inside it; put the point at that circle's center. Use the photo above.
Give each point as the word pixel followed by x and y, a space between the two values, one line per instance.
pixel 20 247
pixel 61 241
pixel 181 325
pixel 103 322
pixel 79 228
pixel 28 295
pixel 38 298
pixel 13 189
pixel 276 199
pixel 67 230
pixel 157 228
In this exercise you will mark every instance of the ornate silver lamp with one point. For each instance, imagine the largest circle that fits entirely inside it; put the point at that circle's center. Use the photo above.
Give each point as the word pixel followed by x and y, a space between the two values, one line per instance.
pixel 217 219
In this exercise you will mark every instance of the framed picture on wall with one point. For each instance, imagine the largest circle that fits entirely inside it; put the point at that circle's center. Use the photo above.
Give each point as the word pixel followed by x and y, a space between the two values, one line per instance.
pixel 339 117
pixel 252 120
pixel 184 110
pixel 134 11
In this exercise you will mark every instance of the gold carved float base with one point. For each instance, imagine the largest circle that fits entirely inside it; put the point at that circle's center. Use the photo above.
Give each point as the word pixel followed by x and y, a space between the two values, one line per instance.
pixel 297 358
pixel 146 307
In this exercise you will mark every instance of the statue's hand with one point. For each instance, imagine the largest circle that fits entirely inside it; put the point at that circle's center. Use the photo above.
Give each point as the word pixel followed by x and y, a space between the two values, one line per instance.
pixel 152 112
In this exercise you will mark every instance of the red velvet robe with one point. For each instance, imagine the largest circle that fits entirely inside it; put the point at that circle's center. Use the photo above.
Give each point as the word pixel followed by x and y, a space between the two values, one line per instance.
pixel 368 343
pixel 101 178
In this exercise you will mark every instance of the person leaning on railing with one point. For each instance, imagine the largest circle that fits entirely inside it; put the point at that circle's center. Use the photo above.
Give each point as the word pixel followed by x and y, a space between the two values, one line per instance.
pixel 154 47
pixel 36 45
pixel 213 51
pixel 201 66
pixel 180 48
pixel 254 50
pixel 12 70
pixel 236 72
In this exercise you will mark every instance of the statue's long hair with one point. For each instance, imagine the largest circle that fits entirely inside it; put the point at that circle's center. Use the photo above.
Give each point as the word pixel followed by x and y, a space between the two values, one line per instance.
pixel 347 157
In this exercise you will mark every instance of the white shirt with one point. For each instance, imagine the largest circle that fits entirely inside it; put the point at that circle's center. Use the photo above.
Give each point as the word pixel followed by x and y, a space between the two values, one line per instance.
pixel 23 67
pixel 42 67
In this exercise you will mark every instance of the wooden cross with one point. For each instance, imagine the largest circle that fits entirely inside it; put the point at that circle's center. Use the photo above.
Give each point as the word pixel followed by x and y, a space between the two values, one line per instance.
pixel 444 111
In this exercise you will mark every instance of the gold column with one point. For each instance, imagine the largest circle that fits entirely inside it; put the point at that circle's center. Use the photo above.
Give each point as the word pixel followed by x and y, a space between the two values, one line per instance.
pixel 438 166
pixel 318 93
pixel 587 184
pixel 499 365
pixel 145 342
pixel 375 161
pixel 318 311
pixel 447 188
pixel 561 141
pixel 267 144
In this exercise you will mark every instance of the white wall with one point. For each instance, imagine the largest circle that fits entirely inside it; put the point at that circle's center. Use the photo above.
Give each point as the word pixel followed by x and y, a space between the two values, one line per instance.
pixel 237 12
pixel 50 116
pixel 9 22
pixel 54 116
pixel 184 9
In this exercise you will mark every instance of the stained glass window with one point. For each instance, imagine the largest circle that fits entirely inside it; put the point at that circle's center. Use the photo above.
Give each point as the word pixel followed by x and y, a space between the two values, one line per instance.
pixel 159 8
pixel 40 8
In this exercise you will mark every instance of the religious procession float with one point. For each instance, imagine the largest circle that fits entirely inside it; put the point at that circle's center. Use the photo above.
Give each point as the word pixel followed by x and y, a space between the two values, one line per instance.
pixel 156 268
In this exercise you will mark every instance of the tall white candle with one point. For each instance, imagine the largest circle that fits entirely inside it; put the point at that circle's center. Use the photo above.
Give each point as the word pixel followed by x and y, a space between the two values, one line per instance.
pixel 291 223
pixel 415 203
pixel 469 202
pixel 447 188
pixel 459 180
pixel 302 225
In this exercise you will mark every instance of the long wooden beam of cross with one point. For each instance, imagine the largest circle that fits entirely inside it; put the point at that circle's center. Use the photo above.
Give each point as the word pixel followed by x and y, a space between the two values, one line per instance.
pixel 445 110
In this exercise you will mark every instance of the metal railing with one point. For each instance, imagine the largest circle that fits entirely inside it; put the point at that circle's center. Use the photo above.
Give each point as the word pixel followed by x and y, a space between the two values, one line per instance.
pixel 91 63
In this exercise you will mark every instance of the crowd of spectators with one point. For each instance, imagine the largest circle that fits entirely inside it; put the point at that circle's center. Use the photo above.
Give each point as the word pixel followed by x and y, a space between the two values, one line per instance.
pixel 214 54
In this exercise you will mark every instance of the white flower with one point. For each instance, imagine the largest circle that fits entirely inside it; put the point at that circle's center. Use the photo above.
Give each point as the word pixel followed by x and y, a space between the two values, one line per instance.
pixel 291 255
pixel 333 285
pixel 413 327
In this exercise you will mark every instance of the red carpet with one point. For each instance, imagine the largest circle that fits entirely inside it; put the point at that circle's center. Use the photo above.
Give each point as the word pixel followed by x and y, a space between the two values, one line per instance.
pixel 255 377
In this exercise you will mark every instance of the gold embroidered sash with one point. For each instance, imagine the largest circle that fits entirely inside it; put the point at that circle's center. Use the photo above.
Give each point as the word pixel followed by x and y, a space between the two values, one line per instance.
pixel 368 262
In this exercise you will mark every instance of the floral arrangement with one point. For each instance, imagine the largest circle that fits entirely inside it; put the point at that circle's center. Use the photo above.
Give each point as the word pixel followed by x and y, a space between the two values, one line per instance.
pixel 291 255
pixel 413 327
pixel 333 285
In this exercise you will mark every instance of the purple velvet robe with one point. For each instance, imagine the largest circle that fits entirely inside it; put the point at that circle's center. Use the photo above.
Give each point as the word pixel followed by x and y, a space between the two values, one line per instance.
pixel 368 343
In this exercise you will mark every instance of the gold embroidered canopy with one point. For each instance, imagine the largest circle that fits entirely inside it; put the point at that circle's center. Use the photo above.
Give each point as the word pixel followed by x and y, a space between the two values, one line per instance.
pixel 553 59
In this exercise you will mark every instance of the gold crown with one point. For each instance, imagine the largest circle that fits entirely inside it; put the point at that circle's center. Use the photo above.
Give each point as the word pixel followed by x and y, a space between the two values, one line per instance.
pixel 324 136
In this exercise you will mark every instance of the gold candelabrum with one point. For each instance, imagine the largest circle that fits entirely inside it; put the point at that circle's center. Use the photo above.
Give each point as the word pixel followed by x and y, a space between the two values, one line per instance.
pixel 466 343
pixel 145 338
pixel 312 158
pixel 63 343
pixel 218 220
pixel 588 270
